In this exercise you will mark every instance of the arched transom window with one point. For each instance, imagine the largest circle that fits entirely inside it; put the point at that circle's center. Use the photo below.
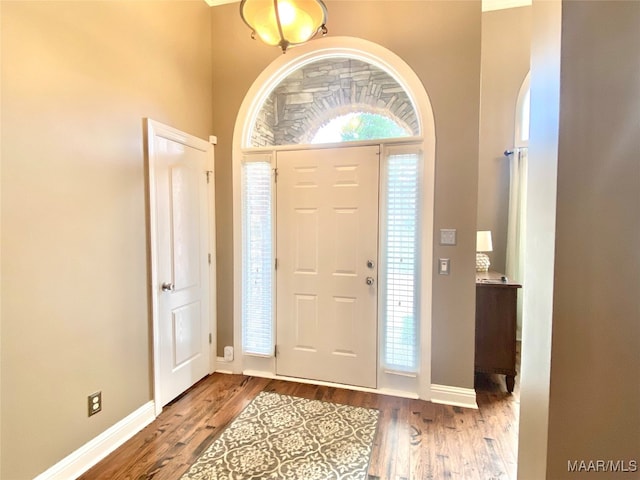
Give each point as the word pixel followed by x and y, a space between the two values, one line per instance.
pixel 335 99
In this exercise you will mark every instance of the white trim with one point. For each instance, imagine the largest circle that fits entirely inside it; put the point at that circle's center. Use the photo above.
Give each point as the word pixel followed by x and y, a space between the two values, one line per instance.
pixel 456 396
pixel 269 157
pixel 379 391
pixel 487 5
pixel 222 366
pixel 78 462
pixel 152 129
pixel 213 266
pixel 398 69
pixel 215 3
pixel 331 47
pixel 319 146
pixel 389 378
pixel 525 88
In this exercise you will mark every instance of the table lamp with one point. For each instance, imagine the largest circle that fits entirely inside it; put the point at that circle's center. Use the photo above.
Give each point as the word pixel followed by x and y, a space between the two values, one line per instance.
pixel 483 244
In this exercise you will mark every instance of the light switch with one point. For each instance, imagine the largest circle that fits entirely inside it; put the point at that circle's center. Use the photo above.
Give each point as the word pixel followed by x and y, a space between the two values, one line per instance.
pixel 444 265
pixel 447 236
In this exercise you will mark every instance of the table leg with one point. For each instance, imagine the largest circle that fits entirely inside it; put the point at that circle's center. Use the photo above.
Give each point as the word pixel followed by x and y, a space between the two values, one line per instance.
pixel 510 380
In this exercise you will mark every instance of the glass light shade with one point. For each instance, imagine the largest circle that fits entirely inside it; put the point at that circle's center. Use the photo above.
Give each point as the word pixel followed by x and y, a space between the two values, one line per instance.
pixel 284 22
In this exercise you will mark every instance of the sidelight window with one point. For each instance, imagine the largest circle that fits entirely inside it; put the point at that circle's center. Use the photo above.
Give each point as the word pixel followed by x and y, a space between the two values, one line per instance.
pixel 401 252
pixel 257 261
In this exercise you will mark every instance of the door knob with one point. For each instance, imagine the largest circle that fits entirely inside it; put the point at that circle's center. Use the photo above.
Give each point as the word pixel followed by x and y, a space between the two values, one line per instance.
pixel 168 287
pixel 370 264
pixel 369 280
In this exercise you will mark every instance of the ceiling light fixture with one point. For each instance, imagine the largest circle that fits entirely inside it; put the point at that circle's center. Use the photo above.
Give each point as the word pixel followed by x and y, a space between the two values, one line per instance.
pixel 284 22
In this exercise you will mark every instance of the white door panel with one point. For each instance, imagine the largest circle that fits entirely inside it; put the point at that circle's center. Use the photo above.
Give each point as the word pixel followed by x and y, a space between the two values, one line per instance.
pixel 327 230
pixel 178 165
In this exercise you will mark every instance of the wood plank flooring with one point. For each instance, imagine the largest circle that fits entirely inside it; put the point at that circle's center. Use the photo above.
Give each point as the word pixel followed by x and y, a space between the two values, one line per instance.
pixel 416 440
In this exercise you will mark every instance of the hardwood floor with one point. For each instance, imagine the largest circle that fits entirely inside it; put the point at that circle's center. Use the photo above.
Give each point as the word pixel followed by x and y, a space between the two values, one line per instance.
pixel 416 440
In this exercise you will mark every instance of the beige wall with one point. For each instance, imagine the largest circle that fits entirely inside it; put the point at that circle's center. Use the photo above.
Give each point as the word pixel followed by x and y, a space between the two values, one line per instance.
pixel 441 42
pixel 77 79
pixel 540 240
pixel 506 45
pixel 594 405
pixel 581 363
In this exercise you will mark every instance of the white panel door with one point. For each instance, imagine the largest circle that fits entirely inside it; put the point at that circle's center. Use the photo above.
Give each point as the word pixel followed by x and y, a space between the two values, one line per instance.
pixel 327 248
pixel 178 165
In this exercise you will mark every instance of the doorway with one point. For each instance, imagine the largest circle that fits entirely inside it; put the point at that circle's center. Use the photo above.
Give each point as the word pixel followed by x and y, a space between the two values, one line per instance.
pixel 180 190
pixel 327 258
pixel 265 123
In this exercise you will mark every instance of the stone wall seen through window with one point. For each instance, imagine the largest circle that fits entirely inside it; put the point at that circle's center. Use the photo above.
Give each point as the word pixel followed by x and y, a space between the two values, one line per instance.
pixel 319 92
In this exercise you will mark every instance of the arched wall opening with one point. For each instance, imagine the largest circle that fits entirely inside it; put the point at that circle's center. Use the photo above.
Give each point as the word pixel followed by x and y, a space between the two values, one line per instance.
pixel 419 121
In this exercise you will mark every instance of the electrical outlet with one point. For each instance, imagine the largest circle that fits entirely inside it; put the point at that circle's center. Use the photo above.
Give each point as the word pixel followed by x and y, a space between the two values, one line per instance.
pixel 228 354
pixel 95 403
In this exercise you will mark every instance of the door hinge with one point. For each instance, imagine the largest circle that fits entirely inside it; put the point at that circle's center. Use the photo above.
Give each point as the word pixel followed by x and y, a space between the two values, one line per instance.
pixel 275 175
pixel 276 264
pixel 209 258
pixel 209 172
pixel 275 350
pixel 210 339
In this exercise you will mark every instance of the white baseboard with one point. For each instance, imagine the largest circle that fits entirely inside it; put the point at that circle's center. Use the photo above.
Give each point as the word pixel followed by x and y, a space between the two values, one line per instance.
pixel 444 394
pixel 78 462
pixel 232 367
pixel 456 396
pixel 222 366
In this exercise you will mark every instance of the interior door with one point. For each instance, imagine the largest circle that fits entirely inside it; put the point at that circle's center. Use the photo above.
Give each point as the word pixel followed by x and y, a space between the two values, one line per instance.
pixel 178 166
pixel 327 248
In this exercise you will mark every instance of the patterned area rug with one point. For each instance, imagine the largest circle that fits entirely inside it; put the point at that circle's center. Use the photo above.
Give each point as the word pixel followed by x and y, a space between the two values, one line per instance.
pixel 283 437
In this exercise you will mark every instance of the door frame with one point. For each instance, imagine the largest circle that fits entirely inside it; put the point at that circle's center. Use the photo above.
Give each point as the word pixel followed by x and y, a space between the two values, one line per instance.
pixel 152 128
pixel 420 385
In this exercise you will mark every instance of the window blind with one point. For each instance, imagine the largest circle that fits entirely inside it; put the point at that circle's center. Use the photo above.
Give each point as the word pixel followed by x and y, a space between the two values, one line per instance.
pixel 257 261
pixel 400 305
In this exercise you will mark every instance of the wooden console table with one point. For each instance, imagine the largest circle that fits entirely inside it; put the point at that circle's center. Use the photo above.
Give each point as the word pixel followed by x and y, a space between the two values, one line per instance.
pixel 496 319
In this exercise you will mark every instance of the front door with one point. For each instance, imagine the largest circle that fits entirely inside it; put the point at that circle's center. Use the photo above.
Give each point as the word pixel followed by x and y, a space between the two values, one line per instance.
pixel 179 199
pixel 327 250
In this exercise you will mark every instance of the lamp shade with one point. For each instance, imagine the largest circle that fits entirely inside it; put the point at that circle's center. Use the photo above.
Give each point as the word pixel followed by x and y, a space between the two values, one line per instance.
pixel 483 241
pixel 284 22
